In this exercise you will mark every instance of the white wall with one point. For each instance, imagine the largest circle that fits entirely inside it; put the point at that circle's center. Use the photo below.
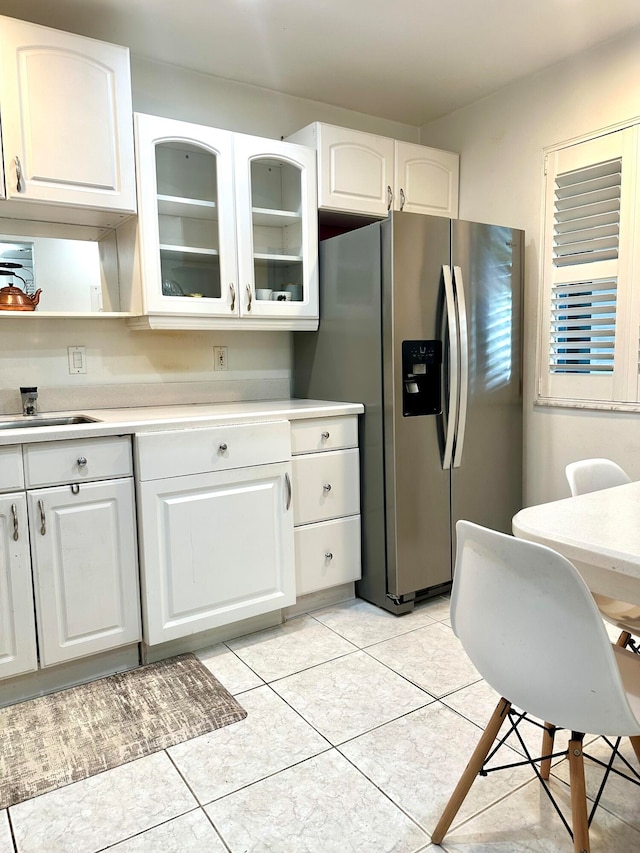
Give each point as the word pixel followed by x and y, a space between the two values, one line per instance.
pixel 500 140
pixel 33 350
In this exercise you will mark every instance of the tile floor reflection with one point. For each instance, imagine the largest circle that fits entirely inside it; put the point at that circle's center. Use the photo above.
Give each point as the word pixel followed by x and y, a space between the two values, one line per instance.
pixel 359 724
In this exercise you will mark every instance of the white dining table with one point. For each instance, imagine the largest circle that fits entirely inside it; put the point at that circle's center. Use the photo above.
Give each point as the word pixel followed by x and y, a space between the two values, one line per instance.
pixel 599 532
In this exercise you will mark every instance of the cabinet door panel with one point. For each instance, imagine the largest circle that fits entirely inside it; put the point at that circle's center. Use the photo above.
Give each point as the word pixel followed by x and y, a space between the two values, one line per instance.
pixel 355 171
pixel 426 180
pixel 66 114
pixel 17 624
pixel 85 569
pixel 216 548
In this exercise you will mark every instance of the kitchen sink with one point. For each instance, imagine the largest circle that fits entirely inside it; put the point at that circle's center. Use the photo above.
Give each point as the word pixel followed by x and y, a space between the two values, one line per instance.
pixel 30 422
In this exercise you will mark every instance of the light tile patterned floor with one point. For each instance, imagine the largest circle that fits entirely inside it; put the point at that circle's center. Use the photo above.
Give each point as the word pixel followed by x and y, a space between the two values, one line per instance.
pixel 359 725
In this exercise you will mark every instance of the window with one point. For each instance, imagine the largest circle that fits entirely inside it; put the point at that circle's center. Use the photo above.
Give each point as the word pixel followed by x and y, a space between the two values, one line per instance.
pixel 589 329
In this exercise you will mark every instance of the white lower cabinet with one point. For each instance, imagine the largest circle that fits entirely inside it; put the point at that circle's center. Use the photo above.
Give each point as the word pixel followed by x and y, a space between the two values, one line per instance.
pixel 18 651
pixel 68 561
pixel 216 543
pixel 326 488
pixel 84 568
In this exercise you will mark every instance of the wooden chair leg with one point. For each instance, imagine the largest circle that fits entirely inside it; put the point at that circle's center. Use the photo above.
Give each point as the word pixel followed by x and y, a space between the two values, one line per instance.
pixel 635 743
pixel 578 796
pixel 471 770
pixel 623 639
pixel 548 737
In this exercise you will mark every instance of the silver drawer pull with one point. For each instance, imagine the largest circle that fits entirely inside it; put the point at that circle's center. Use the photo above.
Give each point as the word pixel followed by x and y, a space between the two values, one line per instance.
pixel 328 556
pixel 249 297
pixel 222 448
pixel 75 488
pixel 232 290
pixel 43 520
pixel 14 513
pixel 327 487
pixel 325 435
pixel 82 461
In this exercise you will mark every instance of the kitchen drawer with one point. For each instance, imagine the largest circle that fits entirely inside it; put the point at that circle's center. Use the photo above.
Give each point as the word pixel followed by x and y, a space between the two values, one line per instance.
pixel 325 485
pixel 49 463
pixel 327 554
pixel 197 451
pixel 11 476
pixel 318 434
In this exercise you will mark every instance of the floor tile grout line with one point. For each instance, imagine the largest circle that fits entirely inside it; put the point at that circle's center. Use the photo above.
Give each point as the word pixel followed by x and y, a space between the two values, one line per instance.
pixel 149 829
pixel 12 831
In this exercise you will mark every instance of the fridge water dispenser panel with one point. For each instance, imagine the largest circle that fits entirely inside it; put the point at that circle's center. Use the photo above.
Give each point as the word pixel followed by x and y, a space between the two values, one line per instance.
pixel 421 378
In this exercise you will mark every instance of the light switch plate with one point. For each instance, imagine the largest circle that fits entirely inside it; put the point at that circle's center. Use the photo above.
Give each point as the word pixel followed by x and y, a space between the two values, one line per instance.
pixel 77 359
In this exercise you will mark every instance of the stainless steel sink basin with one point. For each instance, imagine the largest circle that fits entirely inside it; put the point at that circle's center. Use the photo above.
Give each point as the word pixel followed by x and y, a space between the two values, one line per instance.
pixel 30 422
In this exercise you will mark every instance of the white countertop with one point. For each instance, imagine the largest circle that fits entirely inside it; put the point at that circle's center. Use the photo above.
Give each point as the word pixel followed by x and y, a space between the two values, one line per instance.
pixel 598 531
pixel 156 418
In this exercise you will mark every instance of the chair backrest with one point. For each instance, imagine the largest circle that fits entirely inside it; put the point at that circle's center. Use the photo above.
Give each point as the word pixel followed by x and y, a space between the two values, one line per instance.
pixel 533 631
pixel 591 475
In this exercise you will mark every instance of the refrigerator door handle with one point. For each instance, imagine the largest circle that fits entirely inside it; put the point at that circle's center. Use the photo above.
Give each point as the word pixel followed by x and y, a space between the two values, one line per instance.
pixel 454 368
pixel 464 365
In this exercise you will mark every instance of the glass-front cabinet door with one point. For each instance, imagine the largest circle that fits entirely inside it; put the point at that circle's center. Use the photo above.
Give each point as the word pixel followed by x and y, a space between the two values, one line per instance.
pixel 186 218
pixel 277 231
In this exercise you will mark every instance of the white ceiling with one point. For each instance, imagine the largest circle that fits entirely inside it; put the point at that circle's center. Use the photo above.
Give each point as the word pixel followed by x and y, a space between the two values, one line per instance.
pixel 406 60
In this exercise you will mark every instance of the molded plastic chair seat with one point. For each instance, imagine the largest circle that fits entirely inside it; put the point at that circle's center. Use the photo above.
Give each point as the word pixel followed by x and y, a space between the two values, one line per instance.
pixel 591 475
pixel 530 625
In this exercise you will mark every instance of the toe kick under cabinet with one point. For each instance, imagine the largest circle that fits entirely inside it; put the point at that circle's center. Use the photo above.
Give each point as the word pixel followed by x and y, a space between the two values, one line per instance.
pixel 326 499
pixel 215 519
pixel 67 546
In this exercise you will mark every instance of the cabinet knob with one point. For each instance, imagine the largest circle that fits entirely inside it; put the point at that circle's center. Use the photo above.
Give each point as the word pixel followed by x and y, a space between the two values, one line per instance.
pixel 325 435
pixel 222 448
pixel 82 461
pixel 328 555
pixel 327 487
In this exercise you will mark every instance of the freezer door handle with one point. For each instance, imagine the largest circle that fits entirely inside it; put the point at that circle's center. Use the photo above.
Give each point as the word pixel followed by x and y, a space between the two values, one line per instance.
pixel 458 284
pixel 454 368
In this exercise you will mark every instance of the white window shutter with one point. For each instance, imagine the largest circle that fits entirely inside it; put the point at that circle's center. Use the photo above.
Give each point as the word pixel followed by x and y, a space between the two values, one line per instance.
pixel 584 331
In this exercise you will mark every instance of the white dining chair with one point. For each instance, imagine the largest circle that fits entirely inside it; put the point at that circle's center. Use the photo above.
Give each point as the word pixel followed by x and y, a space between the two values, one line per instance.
pixel 591 475
pixel 530 626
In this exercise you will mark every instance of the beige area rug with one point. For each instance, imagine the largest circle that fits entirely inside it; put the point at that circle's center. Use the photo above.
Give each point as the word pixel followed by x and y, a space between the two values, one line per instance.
pixel 54 740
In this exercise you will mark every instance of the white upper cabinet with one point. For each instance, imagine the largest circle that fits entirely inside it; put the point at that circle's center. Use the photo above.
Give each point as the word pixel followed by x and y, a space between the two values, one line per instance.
pixel 367 174
pixel 227 230
pixel 66 126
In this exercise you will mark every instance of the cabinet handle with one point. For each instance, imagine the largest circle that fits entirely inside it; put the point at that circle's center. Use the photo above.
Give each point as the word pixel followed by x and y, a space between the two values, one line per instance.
pixel 43 520
pixel 328 555
pixel 287 482
pixel 232 290
pixel 249 297
pixel 389 198
pixel 75 488
pixel 325 435
pixel 402 199
pixel 14 513
pixel 19 184
pixel 222 448
pixel 82 461
pixel 327 487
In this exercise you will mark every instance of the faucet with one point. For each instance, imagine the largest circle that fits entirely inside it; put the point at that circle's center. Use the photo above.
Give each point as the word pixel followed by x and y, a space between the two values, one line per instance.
pixel 29 400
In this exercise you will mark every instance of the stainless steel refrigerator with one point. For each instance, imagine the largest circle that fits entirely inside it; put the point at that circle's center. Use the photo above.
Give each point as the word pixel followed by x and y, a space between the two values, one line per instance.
pixel 420 320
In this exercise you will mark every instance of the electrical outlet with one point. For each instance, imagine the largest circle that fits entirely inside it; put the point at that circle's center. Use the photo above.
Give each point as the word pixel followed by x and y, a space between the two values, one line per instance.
pixel 77 359
pixel 220 358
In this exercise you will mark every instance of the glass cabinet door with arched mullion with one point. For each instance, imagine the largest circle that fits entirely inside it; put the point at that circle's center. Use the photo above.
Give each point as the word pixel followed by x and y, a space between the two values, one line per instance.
pixel 186 177
pixel 277 253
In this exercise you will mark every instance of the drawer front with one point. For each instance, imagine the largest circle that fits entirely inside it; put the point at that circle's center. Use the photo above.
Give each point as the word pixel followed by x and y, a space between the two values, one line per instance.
pixel 51 463
pixel 318 434
pixel 325 485
pixel 327 554
pixel 200 451
pixel 11 476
